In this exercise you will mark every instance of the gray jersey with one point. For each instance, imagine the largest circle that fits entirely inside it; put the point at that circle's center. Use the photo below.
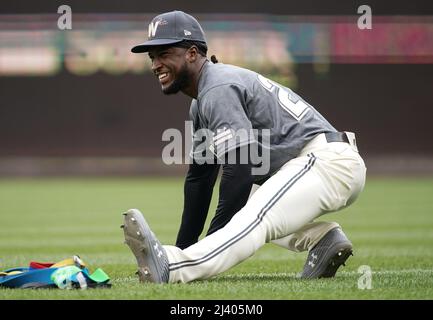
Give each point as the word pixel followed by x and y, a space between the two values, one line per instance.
pixel 232 99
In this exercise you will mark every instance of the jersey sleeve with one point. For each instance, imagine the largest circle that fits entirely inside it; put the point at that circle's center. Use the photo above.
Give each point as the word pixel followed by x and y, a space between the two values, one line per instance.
pixel 224 113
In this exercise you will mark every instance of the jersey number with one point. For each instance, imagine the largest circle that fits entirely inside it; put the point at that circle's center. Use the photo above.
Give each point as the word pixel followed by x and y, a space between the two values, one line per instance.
pixel 287 99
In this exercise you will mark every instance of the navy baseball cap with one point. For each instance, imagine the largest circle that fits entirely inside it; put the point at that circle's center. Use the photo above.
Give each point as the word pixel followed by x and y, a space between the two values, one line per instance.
pixel 171 28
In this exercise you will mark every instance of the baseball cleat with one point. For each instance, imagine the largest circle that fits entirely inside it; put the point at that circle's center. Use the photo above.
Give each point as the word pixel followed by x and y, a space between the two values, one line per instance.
pixel 327 256
pixel 151 257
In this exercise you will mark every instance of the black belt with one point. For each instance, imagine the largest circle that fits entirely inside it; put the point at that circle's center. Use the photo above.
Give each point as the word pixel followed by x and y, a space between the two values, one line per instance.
pixel 336 137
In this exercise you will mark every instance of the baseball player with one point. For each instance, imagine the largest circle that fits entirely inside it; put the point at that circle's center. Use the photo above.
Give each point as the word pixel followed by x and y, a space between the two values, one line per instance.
pixel 307 167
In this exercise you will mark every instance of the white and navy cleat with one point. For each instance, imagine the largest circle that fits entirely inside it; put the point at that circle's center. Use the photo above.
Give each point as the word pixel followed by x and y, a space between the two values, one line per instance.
pixel 151 257
pixel 327 256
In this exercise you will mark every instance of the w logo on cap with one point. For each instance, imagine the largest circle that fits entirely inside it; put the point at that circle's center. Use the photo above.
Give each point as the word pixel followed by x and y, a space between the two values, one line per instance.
pixel 152 28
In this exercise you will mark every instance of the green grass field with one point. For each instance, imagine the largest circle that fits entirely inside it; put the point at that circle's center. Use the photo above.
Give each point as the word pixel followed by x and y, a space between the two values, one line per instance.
pixel 391 227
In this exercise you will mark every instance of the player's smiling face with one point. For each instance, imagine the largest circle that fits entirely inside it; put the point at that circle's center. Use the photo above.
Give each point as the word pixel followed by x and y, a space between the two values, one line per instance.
pixel 170 66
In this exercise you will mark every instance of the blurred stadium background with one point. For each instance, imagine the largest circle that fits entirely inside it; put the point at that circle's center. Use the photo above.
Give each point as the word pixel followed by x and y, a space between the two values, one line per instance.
pixel 78 102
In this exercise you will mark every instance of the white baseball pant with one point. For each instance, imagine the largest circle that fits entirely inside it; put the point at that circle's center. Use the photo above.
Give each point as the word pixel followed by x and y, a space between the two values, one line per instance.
pixel 325 177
